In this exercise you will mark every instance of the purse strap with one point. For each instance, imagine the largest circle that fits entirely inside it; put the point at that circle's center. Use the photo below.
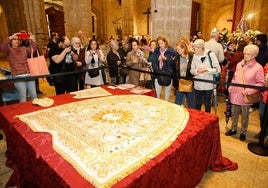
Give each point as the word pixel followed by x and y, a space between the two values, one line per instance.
pixel 242 75
pixel 32 52
pixel 210 61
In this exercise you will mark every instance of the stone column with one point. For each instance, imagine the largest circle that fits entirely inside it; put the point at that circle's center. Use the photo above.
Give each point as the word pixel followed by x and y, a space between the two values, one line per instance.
pixel 4 30
pixel 36 21
pixel 128 17
pixel 15 20
pixel 77 16
pixel 171 18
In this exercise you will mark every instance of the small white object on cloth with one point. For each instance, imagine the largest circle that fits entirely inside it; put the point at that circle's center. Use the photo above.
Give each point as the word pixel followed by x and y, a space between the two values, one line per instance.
pixel 44 102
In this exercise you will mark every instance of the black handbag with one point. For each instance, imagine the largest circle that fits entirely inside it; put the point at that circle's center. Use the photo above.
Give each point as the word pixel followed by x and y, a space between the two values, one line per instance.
pixel 123 70
pixel 164 80
pixel 93 72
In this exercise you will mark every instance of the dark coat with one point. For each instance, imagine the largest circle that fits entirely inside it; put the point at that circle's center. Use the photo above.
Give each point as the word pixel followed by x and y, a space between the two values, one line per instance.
pixel 262 57
pixel 168 66
pixel 112 59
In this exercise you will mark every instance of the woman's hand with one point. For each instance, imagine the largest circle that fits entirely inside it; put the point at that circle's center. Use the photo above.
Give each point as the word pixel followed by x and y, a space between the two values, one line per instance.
pixel 244 93
pixel 78 63
pixel 32 37
pixel 14 36
pixel 75 56
pixel 162 58
pixel 92 52
pixel 201 70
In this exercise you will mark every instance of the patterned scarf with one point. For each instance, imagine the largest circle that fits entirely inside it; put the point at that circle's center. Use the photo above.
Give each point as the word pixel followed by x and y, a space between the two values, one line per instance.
pixel 162 52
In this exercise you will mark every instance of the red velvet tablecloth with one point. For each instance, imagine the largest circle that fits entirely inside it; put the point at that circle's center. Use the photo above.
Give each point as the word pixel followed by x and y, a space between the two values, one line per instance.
pixel 183 164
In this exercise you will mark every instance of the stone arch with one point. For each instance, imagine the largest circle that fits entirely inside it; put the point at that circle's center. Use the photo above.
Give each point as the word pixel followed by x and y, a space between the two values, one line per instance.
pixel 220 18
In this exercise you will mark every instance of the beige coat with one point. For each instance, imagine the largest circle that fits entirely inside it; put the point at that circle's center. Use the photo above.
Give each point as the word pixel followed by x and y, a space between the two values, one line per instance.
pixel 134 60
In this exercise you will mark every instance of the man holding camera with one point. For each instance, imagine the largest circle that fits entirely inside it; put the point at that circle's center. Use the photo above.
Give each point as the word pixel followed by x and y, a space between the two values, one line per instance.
pixel 62 59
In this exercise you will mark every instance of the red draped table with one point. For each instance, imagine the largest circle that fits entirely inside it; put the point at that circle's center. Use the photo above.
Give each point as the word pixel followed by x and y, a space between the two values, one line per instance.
pixel 183 164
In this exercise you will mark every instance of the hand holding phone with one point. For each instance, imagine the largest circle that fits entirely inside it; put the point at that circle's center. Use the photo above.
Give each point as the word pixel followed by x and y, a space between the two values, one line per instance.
pixel 23 35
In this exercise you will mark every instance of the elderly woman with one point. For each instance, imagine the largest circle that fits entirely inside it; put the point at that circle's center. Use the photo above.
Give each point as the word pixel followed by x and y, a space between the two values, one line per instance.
pixel 79 54
pixel 115 61
pixel 204 65
pixel 249 72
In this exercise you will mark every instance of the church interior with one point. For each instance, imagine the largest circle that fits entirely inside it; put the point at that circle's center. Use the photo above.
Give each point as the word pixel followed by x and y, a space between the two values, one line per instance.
pixel 106 19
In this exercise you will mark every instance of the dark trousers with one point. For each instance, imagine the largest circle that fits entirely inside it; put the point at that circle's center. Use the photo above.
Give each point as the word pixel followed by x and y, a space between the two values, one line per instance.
pixel 199 95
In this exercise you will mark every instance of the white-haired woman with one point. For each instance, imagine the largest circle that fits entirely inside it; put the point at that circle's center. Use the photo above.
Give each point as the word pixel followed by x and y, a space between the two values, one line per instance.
pixel 115 61
pixel 250 72
pixel 204 65
pixel 79 61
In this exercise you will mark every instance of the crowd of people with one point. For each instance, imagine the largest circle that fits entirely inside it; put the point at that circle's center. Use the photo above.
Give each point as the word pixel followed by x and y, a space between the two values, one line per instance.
pixel 165 65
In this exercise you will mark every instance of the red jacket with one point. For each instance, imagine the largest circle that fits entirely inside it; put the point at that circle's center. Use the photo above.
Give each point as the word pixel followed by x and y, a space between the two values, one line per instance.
pixel 233 59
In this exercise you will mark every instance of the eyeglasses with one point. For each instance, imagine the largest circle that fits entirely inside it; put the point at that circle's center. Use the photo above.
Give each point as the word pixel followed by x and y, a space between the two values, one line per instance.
pixel 197 48
pixel 248 54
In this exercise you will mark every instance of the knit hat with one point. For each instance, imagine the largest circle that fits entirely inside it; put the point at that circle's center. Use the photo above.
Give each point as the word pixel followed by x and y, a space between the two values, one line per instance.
pixel 199 43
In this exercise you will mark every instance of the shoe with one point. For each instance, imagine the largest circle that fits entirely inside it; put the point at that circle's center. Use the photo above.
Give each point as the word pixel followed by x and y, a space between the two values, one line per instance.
pixel 242 137
pixel 230 132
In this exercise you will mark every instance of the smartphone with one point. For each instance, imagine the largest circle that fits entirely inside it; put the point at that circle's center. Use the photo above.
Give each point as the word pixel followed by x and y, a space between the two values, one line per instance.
pixel 23 35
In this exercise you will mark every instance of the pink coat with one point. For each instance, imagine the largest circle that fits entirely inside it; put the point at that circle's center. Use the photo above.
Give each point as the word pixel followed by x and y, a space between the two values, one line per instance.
pixel 253 75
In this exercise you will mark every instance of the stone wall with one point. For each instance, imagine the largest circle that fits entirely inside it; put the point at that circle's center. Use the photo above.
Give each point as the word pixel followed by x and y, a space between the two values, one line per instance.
pixel 173 17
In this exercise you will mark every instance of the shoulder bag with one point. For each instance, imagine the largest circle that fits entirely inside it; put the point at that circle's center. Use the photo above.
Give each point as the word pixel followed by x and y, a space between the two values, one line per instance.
pixel 253 98
pixel 185 85
pixel 37 65
pixel 217 76
pixel 93 72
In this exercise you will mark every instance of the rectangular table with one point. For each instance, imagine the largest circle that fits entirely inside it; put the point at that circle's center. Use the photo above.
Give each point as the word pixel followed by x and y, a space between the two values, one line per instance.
pixel 182 164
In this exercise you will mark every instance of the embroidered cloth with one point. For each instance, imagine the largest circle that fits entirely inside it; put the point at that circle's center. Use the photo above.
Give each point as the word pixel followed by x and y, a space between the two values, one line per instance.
pixel 90 93
pixel 108 138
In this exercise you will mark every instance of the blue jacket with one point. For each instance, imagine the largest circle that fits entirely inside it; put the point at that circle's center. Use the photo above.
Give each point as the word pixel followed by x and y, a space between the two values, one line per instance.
pixel 168 65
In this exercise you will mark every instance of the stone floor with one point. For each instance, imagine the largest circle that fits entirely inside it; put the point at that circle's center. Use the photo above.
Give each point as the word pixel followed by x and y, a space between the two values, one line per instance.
pixel 252 171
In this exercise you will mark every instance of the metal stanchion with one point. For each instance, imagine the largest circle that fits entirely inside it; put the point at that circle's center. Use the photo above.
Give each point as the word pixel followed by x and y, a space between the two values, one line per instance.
pixel 259 148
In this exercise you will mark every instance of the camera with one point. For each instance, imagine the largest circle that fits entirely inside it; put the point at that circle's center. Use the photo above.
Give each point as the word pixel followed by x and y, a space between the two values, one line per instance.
pixel 74 50
pixel 23 35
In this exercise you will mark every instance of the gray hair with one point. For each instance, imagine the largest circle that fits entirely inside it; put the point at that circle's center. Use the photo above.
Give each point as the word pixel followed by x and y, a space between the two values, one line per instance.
pixel 252 48
pixel 214 34
pixel 113 43
pixel 74 40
